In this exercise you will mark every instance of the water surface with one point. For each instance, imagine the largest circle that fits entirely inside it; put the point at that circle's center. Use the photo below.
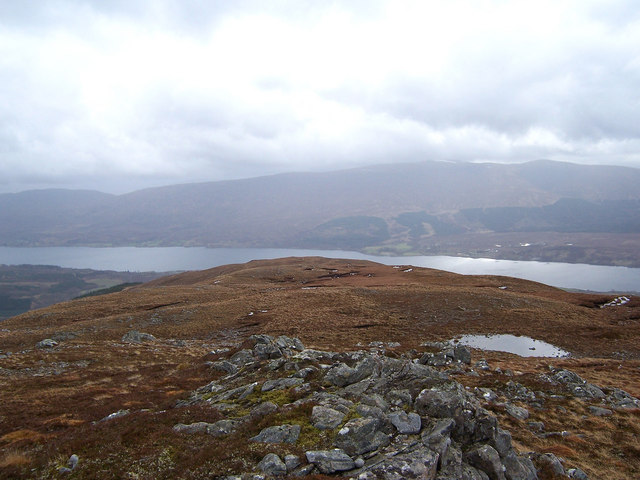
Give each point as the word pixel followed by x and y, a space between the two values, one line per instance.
pixel 519 345
pixel 162 259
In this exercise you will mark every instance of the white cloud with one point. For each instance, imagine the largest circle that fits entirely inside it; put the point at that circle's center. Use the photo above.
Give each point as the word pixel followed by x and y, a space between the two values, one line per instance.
pixel 141 93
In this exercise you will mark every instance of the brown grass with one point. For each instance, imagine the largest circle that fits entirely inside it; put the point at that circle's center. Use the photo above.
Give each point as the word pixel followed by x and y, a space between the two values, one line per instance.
pixel 50 399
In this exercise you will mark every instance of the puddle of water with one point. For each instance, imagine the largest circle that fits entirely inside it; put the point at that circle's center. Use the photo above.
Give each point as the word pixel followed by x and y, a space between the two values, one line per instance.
pixel 523 346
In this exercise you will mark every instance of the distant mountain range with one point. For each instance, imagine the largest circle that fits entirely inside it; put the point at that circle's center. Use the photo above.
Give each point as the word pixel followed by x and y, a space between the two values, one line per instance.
pixel 400 207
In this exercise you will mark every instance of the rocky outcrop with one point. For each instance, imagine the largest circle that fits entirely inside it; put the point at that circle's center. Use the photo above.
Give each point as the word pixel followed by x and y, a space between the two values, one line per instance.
pixel 383 418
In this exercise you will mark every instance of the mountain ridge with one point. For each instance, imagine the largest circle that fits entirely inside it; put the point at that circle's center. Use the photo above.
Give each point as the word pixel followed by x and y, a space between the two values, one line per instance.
pixel 348 209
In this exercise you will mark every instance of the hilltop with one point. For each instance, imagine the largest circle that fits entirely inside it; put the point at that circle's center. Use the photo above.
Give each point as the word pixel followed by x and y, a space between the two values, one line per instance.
pixel 123 371
pixel 542 210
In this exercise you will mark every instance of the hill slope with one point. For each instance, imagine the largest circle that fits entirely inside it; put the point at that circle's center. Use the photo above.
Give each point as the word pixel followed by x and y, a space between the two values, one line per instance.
pixel 52 399
pixel 422 207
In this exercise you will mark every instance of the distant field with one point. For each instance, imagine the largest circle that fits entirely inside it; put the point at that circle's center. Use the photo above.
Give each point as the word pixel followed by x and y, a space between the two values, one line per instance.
pixel 27 287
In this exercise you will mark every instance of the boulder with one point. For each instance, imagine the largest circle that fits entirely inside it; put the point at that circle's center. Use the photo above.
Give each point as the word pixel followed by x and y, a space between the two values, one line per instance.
pixel 222 427
pixel 487 459
pixel 272 465
pixel 135 336
pixel 46 343
pixel 291 343
pixel 517 412
pixel 406 423
pixel 266 351
pixel 518 468
pixel 342 375
pixel 439 403
pixel 281 383
pixel 292 462
pixel 599 411
pixel 325 418
pixel 421 463
pixel 330 461
pixel 197 427
pixel 577 473
pixel 462 354
pixel 361 435
pixel 278 434
pixel 241 358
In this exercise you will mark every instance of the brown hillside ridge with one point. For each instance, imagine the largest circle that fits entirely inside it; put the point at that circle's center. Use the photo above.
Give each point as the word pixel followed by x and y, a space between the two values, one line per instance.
pixel 122 372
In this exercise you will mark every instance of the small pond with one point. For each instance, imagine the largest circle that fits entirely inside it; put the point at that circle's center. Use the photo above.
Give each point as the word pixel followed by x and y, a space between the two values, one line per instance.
pixel 523 346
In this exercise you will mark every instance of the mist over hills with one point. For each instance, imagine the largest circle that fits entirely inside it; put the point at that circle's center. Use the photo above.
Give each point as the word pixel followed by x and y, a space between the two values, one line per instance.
pixel 393 207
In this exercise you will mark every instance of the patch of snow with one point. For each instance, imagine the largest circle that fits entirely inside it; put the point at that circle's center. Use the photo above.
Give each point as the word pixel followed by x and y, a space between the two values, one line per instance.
pixel 408 270
pixel 616 302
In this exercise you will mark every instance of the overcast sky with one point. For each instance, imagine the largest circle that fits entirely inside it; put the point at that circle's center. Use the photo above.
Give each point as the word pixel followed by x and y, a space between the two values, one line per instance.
pixel 118 95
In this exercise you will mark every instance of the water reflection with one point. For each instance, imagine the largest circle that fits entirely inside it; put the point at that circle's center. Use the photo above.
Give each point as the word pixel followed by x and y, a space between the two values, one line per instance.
pixel 523 346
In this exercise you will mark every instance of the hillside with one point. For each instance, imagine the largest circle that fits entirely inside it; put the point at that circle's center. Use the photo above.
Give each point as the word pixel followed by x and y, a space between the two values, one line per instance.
pixel 27 287
pixel 139 405
pixel 429 207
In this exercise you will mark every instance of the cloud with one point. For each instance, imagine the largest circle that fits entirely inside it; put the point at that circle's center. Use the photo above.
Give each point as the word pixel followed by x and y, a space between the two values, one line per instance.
pixel 118 95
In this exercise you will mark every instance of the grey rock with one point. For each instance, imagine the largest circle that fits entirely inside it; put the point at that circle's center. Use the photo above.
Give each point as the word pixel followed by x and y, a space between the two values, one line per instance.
pixel 517 412
pixel 64 470
pixel 278 434
pixel 369 411
pixel 272 465
pixel 222 427
pixel 114 415
pixel 501 441
pixel 577 473
pixel 622 399
pixel 303 470
pixel 342 375
pixel 567 376
pixel 46 343
pixel 225 366
pixel 482 365
pixel 292 462
pixel 135 336
pixel 197 427
pixel 536 426
pixel 587 390
pixel 462 354
pixel 487 459
pixel 281 383
pixel 439 359
pixel 406 423
pixel 334 401
pixel 325 418
pixel 304 372
pixel 359 462
pixel 266 351
pixel 276 364
pixel 292 343
pixel 439 403
pixel 260 338
pixel 599 411
pixel 263 409
pixel 441 427
pixel 518 468
pixel 486 394
pixel 330 461
pixel 421 463
pixel 73 461
pixel 400 398
pixel 240 393
pixel 361 435
pixel 241 358
pixel 375 400
pixel 547 461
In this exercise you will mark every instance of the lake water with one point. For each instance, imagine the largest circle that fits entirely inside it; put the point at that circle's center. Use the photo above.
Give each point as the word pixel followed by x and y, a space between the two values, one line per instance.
pixel 523 346
pixel 161 259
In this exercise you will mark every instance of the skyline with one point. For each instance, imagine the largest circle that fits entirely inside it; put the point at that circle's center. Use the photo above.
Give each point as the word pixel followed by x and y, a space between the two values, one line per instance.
pixel 117 96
